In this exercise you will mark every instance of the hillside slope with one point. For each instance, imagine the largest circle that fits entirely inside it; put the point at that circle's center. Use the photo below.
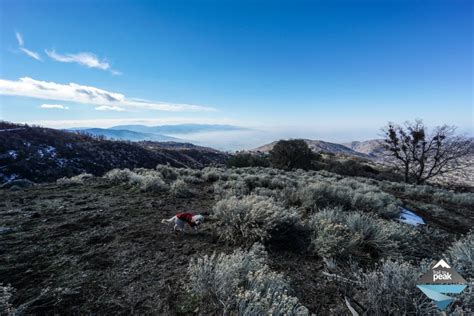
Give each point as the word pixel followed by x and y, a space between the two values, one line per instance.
pixel 43 154
pixel 99 247
pixel 319 146
pixel 373 147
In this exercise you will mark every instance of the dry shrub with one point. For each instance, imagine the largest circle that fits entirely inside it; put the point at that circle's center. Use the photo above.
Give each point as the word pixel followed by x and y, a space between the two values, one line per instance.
pixel 250 218
pixel 191 179
pixel 76 180
pixel 241 282
pixel 211 174
pixel 461 254
pixel 143 179
pixel 266 293
pixel 148 183
pixel 118 176
pixel 6 294
pixel 332 239
pixel 350 194
pixel 179 188
pixel 167 172
pixel 231 188
pixel 390 288
pixel 338 233
pixel 429 192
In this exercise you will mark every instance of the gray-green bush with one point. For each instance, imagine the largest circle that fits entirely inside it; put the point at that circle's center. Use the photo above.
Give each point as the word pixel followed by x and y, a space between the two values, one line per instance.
pixel 242 283
pixel 250 218
pixel 349 194
pixel 179 188
pixel 338 233
pixel 390 289
pixel 461 255
pixel 75 180
pixel 141 179
pixel 118 176
pixel 6 294
pixel 167 172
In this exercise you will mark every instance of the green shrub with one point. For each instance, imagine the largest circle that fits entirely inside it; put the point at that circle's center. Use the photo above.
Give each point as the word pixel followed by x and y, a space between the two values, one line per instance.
pixel 243 159
pixel 291 154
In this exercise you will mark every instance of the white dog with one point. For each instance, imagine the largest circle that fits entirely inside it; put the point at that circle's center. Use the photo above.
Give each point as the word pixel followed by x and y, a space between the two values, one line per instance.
pixel 180 219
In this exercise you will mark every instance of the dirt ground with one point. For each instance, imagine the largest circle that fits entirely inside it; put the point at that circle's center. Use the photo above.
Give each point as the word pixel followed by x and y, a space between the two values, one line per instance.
pixel 100 249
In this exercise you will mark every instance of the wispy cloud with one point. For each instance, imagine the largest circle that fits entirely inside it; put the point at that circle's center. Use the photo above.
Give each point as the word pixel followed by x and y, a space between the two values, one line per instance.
pixel 31 53
pixel 19 38
pixel 54 106
pixel 88 60
pixel 26 51
pixel 74 92
pixel 109 108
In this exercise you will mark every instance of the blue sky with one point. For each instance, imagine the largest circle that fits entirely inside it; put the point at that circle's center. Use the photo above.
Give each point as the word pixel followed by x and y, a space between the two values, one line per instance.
pixel 336 70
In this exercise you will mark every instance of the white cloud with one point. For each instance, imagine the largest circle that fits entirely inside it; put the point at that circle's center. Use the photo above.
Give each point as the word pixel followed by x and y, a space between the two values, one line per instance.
pixel 115 72
pixel 54 106
pixel 88 60
pixel 28 52
pixel 73 92
pixel 109 108
pixel 19 38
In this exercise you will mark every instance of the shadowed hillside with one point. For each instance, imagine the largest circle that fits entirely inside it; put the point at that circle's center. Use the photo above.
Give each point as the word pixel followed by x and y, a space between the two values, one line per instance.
pixel 43 154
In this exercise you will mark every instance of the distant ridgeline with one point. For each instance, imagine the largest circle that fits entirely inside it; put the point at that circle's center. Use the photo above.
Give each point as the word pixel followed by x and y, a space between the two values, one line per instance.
pixel 44 154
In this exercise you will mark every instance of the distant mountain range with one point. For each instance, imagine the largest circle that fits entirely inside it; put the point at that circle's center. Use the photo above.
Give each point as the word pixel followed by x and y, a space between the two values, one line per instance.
pixel 178 129
pixel 136 133
pixel 122 134
pixel 370 149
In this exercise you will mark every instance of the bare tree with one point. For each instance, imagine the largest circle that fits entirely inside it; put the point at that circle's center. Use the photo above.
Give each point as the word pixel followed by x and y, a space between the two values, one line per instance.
pixel 421 155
